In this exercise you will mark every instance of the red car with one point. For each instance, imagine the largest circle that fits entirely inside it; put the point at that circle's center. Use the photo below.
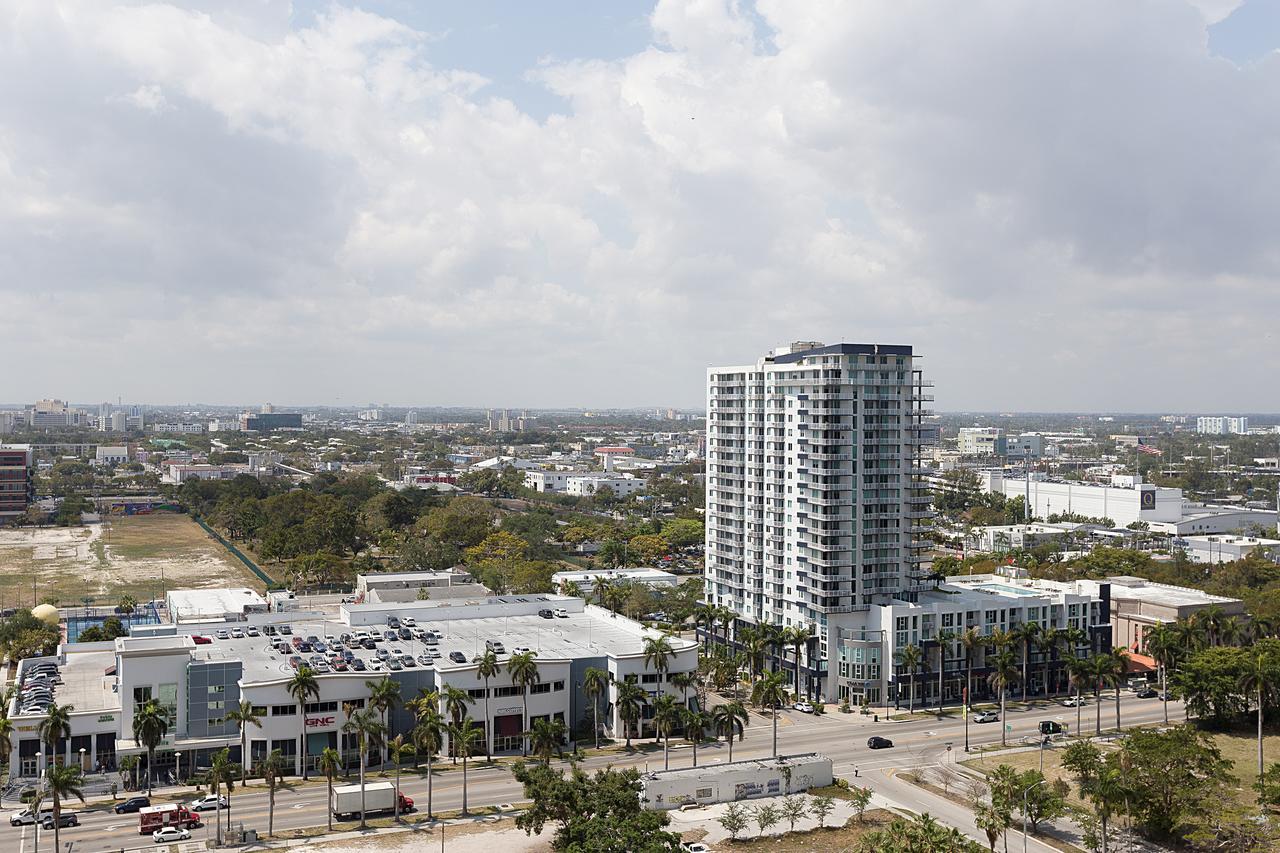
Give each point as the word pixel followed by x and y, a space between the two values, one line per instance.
pixel 201 641
pixel 295 661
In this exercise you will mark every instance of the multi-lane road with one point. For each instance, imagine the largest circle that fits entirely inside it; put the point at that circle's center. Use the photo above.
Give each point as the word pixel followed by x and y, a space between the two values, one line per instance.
pixel 843 737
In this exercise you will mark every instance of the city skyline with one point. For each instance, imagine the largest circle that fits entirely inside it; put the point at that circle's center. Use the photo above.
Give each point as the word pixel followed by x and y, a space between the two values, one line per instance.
pixel 569 207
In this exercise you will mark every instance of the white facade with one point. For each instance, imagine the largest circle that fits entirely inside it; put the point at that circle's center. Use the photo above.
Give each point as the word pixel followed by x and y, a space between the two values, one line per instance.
pixel 1206 519
pixel 586 580
pixel 742 780
pixel 178 428
pixel 585 485
pixel 112 455
pixel 1226 549
pixel 1222 425
pixel 548 481
pixel 979 441
pixel 814 506
pixel 1122 504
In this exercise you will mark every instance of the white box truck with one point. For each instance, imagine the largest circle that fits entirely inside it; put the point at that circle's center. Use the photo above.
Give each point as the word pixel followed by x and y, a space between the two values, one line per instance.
pixel 379 799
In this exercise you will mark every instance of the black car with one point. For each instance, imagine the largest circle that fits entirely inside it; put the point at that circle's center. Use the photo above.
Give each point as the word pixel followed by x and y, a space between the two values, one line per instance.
pixel 1147 693
pixel 404 634
pixel 546 614
pixel 1049 727
pixel 457 657
pixel 359 665
pixel 269 630
pixel 879 743
pixel 370 644
pixel 132 805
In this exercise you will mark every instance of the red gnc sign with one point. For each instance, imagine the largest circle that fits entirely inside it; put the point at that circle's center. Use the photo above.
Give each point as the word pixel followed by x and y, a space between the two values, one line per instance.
pixel 316 722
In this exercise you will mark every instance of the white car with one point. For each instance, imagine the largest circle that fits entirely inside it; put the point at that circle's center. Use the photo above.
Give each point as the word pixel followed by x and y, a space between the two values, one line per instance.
pixel 695 847
pixel 803 706
pixel 986 717
pixel 1073 701
pixel 237 633
pixel 561 613
pixel 170 834
pixel 223 635
pixel 211 801
pixel 408 622
pixel 26 816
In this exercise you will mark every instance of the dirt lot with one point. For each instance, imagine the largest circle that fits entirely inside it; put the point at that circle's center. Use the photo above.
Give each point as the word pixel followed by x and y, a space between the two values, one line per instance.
pixel 142 555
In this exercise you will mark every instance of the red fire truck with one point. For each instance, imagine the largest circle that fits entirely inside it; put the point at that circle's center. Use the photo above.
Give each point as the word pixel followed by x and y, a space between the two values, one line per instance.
pixel 152 818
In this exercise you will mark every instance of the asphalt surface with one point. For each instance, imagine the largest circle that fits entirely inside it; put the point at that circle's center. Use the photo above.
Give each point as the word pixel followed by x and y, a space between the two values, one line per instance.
pixel 842 737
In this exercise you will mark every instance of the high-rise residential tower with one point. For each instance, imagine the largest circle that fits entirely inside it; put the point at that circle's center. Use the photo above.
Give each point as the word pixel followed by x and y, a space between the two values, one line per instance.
pixel 815 509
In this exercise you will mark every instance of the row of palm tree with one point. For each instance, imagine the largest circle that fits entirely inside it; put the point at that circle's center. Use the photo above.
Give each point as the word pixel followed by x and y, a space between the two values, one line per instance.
pixel 757 641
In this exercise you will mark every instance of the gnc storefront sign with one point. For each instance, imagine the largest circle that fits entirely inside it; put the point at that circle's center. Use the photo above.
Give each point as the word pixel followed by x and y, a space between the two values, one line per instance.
pixel 320 722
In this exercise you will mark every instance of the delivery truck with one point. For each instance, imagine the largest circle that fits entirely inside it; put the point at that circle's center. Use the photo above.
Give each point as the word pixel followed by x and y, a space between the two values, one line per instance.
pixel 379 798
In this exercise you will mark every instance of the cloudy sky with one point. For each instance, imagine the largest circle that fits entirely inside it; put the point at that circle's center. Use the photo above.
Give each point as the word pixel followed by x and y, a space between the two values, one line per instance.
pixel 1063 205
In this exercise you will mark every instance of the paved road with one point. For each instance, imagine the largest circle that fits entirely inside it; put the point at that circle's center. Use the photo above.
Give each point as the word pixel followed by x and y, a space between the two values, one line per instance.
pixel 840 736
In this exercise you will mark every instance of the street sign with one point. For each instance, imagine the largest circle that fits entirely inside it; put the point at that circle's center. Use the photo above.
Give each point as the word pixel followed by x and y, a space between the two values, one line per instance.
pixel 1008 727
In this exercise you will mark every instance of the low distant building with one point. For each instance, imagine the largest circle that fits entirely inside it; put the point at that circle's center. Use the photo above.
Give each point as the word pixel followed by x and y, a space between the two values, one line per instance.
pixel 981 441
pixel 1124 501
pixel 117 455
pixel 387 587
pixel 177 473
pixel 268 421
pixel 1227 548
pixel 1007 537
pixel 586 485
pixel 586 579
pixel 663 790
pixel 1137 605
pixel 1208 519
pixel 181 428
pixel 212 605
pixel 548 481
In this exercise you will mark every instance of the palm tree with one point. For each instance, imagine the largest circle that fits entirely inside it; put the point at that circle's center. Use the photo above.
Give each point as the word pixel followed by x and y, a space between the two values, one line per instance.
pixel 523 671
pixel 429 735
pixel 696 724
pixel 754 643
pixel 273 770
pixel 682 681
pixel 1258 679
pixel 909 658
pixel 455 701
pixel 151 723
pixel 945 638
pixel 1119 666
pixel 1108 793
pixel 1071 638
pixel 595 682
pixel 487 667
pixel 971 640
pixel 330 764
pixel 1047 644
pixel 1079 673
pixel 463 738
pixel 631 698
pixel 244 716
pixel 301 687
pixel 62 782
pixel 546 737
pixel 727 618
pixel 1161 643
pixel 221 772
pixel 368 730
pixel 728 719
pixel 56 726
pixel 705 614
pixel 658 654
pixel 398 748
pixel 1102 671
pixel 1210 621
pixel 1026 634
pixel 1003 673
pixel 666 718
pixel 797 637
pixel 384 695
pixel 6 744
pixel 771 691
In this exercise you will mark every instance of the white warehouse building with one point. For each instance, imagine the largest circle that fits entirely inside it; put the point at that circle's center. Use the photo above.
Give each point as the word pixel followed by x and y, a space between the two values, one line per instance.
pixel 1124 501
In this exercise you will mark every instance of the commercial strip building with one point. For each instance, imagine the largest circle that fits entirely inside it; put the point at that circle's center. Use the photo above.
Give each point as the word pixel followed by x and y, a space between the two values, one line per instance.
pixel 586 579
pixel 413 586
pixel 1138 605
pixel 815 512
pixel 1005 537
pixel 742 780
pixel 1226 548
pixel 200 680
pixel 17 480
pixel 582 483
pixel 1124 501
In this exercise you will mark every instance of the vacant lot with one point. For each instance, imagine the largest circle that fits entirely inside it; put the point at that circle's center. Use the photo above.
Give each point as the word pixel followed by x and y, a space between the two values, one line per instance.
pixel 141 555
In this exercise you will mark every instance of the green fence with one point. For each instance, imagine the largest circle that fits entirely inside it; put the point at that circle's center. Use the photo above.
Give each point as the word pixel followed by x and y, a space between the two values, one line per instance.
pixel 236 552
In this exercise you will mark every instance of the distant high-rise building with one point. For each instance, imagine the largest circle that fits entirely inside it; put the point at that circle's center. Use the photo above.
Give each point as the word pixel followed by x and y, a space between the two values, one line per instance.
pixel 268 421
pixel 411 418
pixel 54 413
pixel 815 511
pixel 1222 425
pixel 266 409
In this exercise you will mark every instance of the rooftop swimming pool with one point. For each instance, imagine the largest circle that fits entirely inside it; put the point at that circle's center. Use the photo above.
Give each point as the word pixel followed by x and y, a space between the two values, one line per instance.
pixel 1006 589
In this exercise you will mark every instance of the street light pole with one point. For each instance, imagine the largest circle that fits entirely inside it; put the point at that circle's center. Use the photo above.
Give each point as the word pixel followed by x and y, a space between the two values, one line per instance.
pixel 1024 811
pixel 964 709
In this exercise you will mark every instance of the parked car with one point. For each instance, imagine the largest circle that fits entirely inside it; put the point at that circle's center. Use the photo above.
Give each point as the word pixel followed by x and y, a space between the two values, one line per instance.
pixel 404 634
pixel 223 635
pixel 369 644
pixel 269 630
pixel 408 622
pixel 237 633
pixel 1147 693
pixel 393 622
pixel 457 657
pixel 200 641
pixel 803 707
pixel 393 663
pixel 208 802
pixel 170 834
pixel 1049 727
pixel 1074 701
pixel 877 742
pixel 359 665
pixel 424 660
pixel 546 613
pixel 495 646
pixel 286 630
pixel 561 613
pixel 987 717
pixel 132 805
pixel 253 632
